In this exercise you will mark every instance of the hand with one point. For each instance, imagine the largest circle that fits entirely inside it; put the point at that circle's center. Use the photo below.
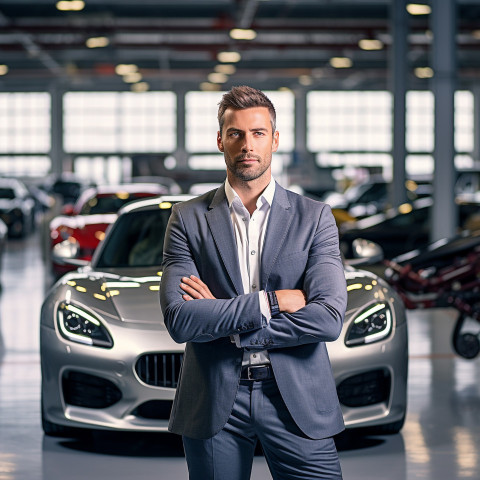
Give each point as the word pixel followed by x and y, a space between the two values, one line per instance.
pixel 291 301
pixel 194 288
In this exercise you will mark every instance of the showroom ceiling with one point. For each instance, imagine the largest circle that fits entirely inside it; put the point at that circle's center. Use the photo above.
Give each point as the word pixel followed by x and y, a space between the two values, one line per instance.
pixel 176 43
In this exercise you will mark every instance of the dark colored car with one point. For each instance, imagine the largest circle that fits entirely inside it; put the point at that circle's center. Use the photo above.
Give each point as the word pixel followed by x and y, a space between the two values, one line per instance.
pixel 17 207
pixel 77 233
pixel 399 230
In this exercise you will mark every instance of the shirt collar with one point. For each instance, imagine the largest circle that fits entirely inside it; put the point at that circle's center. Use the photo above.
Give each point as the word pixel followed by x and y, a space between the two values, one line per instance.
pixel 267 194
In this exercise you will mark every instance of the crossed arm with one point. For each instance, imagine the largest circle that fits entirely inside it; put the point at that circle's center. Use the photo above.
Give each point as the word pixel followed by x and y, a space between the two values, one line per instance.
pixel 289 301
pixel 299 321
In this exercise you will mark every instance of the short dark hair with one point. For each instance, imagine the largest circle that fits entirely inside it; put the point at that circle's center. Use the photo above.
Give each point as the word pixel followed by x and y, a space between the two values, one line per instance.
pixel 242 97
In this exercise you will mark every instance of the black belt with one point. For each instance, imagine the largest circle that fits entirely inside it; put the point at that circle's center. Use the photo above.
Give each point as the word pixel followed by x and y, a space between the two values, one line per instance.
pixel 257 373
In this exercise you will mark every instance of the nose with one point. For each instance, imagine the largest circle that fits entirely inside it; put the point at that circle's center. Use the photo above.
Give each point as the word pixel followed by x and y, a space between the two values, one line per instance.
pixel 248 143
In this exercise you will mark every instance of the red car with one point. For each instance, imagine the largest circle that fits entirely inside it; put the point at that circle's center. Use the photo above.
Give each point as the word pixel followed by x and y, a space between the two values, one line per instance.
pixel 77 233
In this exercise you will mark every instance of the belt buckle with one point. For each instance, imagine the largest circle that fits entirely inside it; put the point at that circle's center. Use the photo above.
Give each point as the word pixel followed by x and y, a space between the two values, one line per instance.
pixel 249 370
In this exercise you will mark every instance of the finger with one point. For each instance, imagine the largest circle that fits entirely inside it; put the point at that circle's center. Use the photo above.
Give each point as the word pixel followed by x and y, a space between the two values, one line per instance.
pixel 190 291
pixel 198 286
pixel 204 287
pixel 187 297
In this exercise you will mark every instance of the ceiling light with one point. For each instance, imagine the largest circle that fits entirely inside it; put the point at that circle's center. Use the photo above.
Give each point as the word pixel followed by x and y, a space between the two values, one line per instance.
pixel 225 68
pixel 97 42
pixel 418 9
pixel 340 62
pixel 125 69
pixel 370 44
pixel 132 77
pixel 229 57
pixel 217 78
pixel 3 69
pixel 243 34
pixel 140 87
pixel 209 87
pixel 70 5
pixel 423 72
pixel 305 80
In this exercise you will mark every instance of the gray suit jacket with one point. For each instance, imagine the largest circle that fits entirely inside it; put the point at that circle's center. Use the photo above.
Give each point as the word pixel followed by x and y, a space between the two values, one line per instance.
pixel 300 252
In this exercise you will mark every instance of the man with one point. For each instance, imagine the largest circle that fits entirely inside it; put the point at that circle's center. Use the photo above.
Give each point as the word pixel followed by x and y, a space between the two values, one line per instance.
pixel 253 283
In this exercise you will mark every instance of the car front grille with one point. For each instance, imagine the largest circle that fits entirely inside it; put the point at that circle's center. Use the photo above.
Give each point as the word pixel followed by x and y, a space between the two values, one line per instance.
pixel 159 369
pixel 89 391
pixel 365 389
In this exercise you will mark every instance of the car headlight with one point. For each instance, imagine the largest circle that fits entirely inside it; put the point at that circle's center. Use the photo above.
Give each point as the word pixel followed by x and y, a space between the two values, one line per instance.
pixel 373 324
pixel 78 325
pixel 66 249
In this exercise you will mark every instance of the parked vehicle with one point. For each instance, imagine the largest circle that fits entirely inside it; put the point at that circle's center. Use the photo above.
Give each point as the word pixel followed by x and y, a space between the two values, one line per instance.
pixel 108 361
pixel 17 207
pixel 399 230
pixel 446 274
pixel 77 233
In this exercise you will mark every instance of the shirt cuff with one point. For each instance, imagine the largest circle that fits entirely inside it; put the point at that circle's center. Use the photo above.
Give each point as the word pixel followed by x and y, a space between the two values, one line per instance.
pixel 235 338
pixel 265 306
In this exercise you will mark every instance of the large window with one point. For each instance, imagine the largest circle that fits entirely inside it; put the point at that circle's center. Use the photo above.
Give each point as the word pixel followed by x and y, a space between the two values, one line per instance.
pixel 24 122
pixel 119 122
pixel 352 129
pixel 349 121
pixel 201 122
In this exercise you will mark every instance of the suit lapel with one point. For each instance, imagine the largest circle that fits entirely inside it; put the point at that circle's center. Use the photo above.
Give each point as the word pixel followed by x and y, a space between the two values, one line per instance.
pixel 220 224
pixel 278 224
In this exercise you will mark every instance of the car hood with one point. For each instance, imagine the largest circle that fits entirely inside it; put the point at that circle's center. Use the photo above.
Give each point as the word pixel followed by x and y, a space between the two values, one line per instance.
pixel 131 300
pixel 8 204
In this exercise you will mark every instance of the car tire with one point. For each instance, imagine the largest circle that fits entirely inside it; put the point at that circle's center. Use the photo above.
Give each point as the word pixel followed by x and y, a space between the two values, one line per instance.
pixel 54 430
pixel 387 429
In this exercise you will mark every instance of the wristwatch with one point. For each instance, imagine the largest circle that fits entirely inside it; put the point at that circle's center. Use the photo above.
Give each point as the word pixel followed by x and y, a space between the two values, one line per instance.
pixel 273 303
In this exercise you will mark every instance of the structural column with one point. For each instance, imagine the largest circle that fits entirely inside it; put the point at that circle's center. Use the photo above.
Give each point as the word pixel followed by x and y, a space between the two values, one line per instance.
pixel 398 87
pixel 181 152
pixel 443 26
pixel 57 152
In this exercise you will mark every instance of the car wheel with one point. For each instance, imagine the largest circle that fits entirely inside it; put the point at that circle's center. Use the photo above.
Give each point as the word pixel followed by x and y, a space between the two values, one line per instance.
pixel 387 429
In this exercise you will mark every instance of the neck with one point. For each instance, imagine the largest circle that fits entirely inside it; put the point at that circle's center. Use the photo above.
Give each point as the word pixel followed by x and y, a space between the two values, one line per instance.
pixel 250 191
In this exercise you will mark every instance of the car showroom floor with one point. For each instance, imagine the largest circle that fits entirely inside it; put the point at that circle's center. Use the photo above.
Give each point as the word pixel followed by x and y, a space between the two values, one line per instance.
pixel 440 439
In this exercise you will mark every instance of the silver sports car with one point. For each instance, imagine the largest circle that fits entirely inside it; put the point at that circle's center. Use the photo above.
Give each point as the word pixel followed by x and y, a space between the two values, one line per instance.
pixel 109 363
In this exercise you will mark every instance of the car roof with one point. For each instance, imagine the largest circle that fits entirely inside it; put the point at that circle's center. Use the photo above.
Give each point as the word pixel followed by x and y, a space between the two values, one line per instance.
pixel 153 202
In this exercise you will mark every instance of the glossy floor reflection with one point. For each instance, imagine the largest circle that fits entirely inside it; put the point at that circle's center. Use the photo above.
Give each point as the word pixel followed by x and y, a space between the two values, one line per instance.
pixel 440 440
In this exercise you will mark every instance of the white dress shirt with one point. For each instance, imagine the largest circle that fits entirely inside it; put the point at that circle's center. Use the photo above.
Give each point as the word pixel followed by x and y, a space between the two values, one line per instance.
pixel 249 231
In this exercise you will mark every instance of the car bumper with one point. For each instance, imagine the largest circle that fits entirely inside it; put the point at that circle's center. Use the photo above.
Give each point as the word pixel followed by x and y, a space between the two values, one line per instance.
pixel 76 377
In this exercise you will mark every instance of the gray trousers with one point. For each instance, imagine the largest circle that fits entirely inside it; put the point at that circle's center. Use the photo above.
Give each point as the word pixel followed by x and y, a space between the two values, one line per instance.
pixel 260 413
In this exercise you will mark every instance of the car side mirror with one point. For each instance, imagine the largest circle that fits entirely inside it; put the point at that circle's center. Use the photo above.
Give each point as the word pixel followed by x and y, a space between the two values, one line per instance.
pixel 365 252
pixel 64 253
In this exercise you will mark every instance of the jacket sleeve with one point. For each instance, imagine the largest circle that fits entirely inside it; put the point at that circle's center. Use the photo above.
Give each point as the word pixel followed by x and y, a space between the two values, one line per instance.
pixel 321 319
pixel 200 320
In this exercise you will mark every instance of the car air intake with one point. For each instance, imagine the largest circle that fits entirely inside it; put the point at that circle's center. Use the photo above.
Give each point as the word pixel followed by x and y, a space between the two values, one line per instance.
pixel 89 391
pixel 365 389
pixel 159 369
pixel 154 410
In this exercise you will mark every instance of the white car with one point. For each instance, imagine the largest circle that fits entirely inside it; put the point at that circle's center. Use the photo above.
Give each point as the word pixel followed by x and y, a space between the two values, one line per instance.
pixel 108 361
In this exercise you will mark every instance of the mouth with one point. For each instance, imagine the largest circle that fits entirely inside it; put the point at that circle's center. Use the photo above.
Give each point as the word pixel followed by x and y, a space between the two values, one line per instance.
pixel 247 160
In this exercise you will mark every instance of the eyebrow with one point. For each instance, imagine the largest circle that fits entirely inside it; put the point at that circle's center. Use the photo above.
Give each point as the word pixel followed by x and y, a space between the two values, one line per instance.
pixel 257 129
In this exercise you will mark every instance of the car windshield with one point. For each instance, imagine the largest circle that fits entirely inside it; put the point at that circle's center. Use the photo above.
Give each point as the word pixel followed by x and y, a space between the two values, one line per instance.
pixel 136 240
pixel 110 203
pixel 7 193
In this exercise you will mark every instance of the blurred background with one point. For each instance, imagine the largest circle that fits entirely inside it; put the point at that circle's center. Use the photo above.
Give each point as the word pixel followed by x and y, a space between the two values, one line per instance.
pixel 101 92
pixel 378 107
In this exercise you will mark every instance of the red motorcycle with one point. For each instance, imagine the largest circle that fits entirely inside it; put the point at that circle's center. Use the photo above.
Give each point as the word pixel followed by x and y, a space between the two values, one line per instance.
pixel 446 274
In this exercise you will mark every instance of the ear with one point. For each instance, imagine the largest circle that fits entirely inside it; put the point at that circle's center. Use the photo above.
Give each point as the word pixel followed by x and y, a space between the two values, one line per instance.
pixel 219 142
pixel 275 141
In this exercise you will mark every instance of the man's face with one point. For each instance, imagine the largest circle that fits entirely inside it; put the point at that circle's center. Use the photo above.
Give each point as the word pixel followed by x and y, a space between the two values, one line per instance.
pixel 247 143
